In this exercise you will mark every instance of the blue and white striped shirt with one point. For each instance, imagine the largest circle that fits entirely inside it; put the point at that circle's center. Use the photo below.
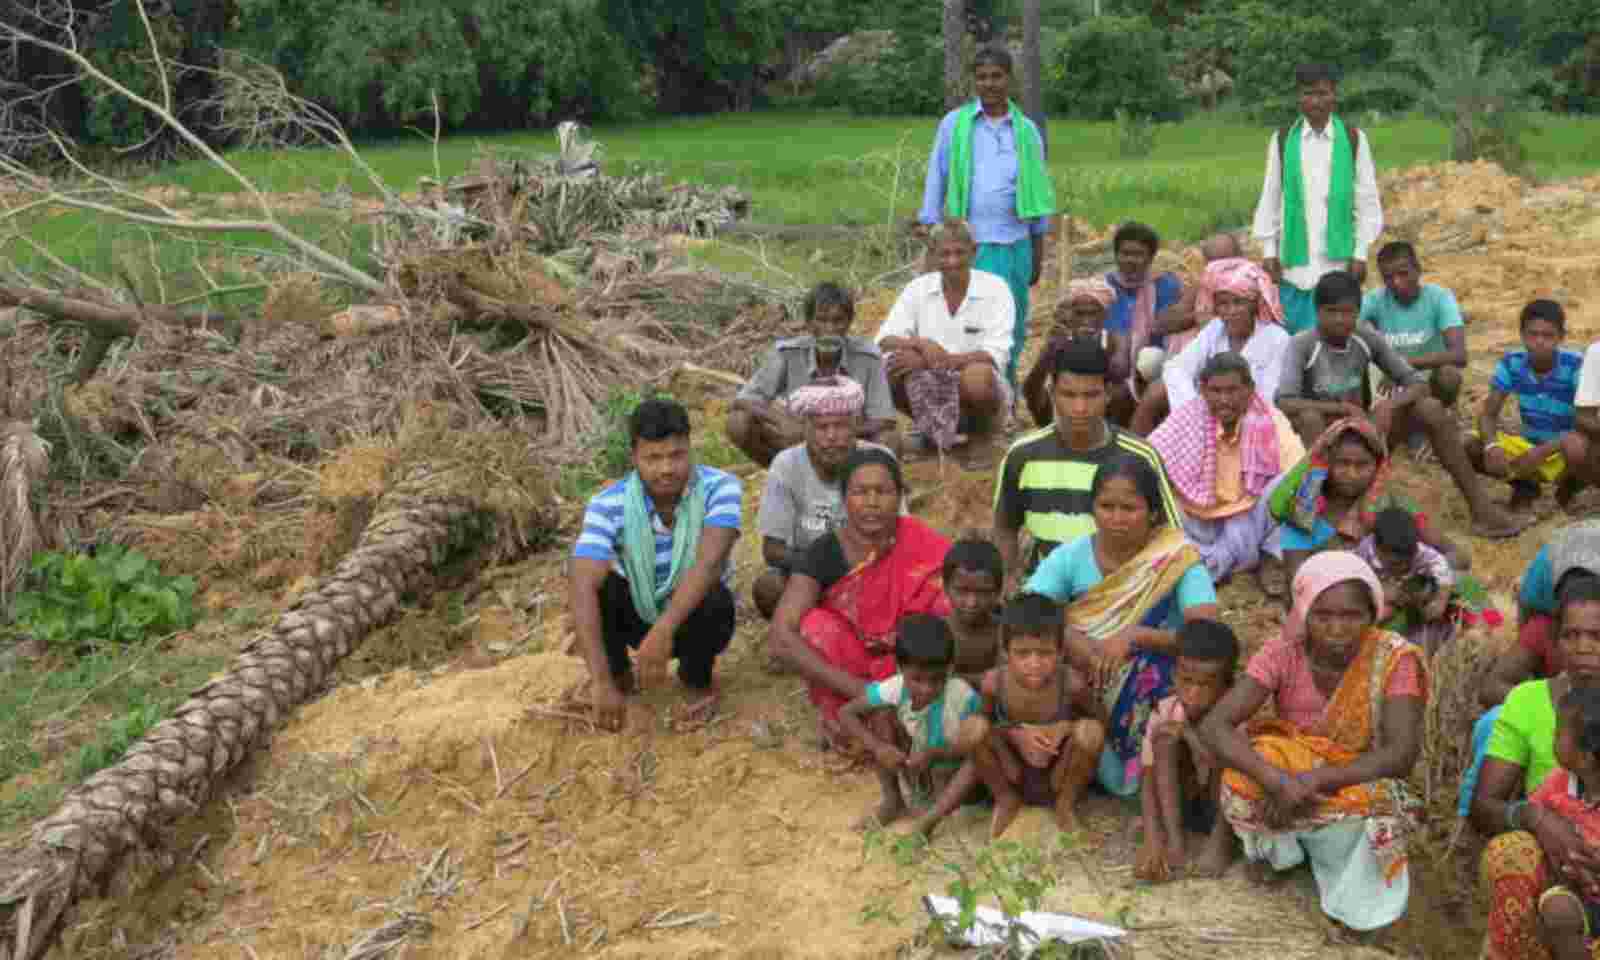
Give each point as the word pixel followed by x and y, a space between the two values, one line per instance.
pixel 603 522
pixel 1546 403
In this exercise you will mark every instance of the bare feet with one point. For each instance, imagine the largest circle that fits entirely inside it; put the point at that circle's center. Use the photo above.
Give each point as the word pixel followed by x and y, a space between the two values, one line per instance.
pixel 1499 525
pixel 1260 872
pixel 1216 856
pixel 700 705
pixel 1006 808
pixel 1151 865
pixel 1067 819
pixel 886 812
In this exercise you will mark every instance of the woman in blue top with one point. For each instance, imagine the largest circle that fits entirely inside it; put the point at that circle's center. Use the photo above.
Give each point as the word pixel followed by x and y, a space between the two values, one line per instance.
pixel 1127 587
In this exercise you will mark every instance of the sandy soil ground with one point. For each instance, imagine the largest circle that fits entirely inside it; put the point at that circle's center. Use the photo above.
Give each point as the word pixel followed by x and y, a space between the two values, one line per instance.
pixel 442 789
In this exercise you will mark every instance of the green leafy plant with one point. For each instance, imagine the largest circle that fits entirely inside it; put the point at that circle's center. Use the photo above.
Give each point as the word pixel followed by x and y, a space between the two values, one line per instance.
pixel 1136 135
pixel 1458 80
pixel 1113 63
pixel 81 601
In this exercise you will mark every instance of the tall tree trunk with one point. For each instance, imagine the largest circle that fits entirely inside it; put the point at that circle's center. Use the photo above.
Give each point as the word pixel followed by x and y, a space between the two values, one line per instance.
pixel 955 25
pixel 1032 70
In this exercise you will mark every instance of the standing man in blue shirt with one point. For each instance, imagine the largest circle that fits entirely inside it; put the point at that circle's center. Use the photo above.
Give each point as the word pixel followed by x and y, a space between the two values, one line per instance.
pixel 987 167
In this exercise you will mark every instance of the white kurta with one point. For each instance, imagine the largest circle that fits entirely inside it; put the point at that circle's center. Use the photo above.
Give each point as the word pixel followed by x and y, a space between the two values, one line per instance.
pixel 1316 162
pixel 984 320
pixel 1263 351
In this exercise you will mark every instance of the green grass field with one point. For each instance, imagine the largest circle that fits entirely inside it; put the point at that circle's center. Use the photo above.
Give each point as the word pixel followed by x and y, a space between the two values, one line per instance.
pixel 799 168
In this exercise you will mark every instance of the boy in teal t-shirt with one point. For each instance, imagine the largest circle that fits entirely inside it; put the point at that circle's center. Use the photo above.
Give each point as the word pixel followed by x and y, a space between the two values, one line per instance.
pixel 1420 320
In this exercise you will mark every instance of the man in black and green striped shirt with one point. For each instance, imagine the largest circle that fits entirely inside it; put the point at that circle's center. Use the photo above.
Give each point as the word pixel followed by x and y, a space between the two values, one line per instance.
pixel 1044 481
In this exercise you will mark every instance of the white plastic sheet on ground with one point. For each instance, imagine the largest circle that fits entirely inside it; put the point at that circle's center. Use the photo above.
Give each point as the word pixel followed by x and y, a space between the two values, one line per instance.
pixel 990 928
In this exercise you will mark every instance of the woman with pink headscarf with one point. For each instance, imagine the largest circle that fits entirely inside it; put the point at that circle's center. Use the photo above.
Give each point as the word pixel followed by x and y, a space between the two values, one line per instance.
pixel 1080 315
pixel 1243 316
pixel 1324 780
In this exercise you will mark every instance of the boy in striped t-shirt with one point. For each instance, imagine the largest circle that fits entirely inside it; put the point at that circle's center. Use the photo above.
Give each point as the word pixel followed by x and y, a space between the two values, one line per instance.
pixel 650 569
pixel 1544 379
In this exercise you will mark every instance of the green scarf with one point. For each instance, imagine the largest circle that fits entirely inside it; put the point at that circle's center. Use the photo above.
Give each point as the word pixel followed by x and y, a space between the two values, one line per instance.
pixel 1295 251
pixel 639 543
pixel 1036 197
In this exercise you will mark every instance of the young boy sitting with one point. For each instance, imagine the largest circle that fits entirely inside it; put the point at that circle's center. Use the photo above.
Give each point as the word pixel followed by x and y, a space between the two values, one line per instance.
pixel 1568 920
pixel 1544 379
pixel 974 576
pixel 929 705
pixel 1179 793
pixel 1042 745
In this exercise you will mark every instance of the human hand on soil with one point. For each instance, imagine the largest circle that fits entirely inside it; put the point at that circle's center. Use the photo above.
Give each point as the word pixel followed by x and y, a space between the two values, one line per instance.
pixel 1151 863
pixel 608 703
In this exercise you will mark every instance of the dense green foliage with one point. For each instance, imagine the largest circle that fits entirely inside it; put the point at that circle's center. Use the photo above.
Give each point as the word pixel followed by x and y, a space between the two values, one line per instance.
pixel 1106 64
pixel 80 601
pixel 379 65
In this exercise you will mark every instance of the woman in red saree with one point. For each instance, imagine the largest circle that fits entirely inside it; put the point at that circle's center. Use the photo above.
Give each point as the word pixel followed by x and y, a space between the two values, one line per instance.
pixel 846 594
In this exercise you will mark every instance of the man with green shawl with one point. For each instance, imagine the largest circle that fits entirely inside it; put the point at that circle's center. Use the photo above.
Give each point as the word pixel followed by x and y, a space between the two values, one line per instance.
pixel 987 168
pixel 1319 210
pixel 650 569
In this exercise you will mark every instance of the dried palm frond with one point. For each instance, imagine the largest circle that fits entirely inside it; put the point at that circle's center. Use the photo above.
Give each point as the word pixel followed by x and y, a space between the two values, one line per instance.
pixel 24 462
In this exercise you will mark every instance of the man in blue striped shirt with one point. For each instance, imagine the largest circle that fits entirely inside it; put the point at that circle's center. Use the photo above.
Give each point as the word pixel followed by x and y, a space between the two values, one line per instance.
pixel 650 569
pixel 1544 379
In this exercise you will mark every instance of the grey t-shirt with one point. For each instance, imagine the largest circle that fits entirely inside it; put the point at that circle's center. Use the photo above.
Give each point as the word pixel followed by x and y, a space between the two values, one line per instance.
pixel 797 506
pixel 793 363
pixel 1312 370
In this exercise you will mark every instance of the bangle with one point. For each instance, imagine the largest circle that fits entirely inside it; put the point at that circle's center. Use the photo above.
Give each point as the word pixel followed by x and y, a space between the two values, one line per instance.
pixel 1514 813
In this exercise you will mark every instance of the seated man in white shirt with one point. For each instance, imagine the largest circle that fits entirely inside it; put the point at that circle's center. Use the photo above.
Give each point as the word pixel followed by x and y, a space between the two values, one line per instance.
pixel 947 340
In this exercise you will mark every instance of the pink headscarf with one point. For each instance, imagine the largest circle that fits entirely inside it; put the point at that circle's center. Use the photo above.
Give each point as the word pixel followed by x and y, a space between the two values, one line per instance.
pixel 1320 572
pixel 1094 288
pixel 835 396
pixel 1239 276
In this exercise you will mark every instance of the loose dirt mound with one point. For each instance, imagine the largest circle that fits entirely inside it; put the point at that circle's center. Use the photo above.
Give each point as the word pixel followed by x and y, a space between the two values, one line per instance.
pixel 458 797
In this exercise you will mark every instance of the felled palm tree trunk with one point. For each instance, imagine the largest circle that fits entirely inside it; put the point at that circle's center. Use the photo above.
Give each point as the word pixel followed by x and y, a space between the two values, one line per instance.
pixel 180 761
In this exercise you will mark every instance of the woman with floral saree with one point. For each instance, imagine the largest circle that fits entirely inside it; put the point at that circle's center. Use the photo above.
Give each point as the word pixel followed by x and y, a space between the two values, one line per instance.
pixel 1127 588
pixel 1324 780
pixel 846 594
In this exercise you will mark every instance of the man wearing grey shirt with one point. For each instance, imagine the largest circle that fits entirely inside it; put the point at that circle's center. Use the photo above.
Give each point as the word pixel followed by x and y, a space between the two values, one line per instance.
pixel 802 500
pixel 1326 378
pixel 761 425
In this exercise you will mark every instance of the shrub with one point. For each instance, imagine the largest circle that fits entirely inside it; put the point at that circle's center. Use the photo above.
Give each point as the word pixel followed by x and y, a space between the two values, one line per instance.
pixel 79 601
pixel 1259 45
pixel 1109 63
pixel 1136 136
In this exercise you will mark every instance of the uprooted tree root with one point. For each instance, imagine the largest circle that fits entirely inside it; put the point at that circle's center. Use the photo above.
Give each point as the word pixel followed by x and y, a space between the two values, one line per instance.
pixel 422 532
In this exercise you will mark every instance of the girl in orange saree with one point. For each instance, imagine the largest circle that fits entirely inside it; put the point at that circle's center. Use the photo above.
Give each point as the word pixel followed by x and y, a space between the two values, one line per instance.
pixel 1324 781
pixel 848 591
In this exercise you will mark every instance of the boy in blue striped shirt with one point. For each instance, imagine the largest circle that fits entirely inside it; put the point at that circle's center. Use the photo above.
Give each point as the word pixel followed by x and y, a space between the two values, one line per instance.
pixel 650 569
pixel 1544 379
